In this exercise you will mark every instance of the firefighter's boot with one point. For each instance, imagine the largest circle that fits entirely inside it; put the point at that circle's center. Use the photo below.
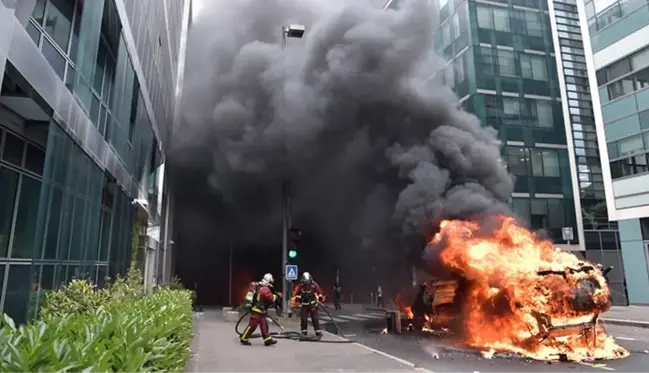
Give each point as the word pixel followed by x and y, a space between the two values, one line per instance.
pixel 270 342
pixel 245 342
pixel 318 334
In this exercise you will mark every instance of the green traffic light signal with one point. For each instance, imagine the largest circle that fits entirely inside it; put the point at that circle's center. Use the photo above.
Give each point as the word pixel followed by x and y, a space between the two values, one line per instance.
pixel 292 254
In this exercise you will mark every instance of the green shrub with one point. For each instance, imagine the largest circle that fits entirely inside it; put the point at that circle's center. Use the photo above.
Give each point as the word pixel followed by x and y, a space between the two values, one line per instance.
pixel 122 328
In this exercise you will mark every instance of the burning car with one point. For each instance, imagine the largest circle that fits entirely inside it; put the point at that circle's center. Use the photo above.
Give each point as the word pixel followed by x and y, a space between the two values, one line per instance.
pixel 507 290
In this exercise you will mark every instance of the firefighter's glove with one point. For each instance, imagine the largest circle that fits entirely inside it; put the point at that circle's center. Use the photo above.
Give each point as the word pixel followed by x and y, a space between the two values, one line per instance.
pixel 320 298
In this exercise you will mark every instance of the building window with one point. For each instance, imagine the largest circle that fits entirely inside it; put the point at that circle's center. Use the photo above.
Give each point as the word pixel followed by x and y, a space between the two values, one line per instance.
pixel 506 64
pixel 545 162
pixel 629 166
pixel 517 158
pixel 533 24
pixel 487 61
pixel 544 113
pixel 58 21
pixel 8 187
pixel 54 27
pixel 534 67
pixel 630 145
pixel 501 19
pixel 485 19
pixel 620 88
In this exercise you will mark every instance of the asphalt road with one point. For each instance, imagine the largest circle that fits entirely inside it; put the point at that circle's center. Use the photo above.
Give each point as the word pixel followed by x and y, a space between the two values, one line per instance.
pixel 437 354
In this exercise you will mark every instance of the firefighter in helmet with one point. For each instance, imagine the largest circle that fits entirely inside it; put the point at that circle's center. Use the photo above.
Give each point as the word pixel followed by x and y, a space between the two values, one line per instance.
pixel 307 295
pixel 263 297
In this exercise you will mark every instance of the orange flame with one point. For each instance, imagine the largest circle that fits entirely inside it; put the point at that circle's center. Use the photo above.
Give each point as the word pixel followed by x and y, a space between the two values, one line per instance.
pixel 405 309
pixel 518 288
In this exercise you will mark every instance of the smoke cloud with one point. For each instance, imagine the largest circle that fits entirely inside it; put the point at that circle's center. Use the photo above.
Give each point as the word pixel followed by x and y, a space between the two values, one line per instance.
pixel 374 146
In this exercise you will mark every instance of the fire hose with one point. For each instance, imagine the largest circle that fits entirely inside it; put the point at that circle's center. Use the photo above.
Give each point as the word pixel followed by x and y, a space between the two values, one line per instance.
pixel 292 334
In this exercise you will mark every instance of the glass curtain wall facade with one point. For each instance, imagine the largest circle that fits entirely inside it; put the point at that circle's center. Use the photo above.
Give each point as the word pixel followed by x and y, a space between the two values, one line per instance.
pixel 601 237
pixel 616 37
pixel 521 66
pixel 501 64
pixel 86 106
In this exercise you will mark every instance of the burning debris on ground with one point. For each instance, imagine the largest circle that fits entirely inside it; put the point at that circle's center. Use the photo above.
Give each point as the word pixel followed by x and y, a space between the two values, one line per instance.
pixel 506 290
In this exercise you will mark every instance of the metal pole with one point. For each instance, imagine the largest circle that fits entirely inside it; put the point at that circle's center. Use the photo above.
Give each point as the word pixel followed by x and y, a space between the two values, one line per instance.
pixel 284 241
pixel 230 275
pixel 284 32
pixel 285 214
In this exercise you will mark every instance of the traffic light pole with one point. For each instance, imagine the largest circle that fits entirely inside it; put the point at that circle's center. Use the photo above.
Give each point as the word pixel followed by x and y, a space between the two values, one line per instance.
pixel 286 228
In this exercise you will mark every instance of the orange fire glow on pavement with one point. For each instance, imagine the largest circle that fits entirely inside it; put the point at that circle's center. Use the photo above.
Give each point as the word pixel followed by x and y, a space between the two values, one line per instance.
pixel 519 291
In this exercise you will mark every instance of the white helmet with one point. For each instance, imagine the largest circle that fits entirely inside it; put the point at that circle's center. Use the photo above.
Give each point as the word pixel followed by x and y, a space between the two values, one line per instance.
pixel 306 277
pixel 267 280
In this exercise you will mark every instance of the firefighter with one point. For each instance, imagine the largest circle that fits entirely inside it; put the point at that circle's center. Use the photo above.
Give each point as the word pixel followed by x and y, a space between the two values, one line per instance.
pixel 263 298
pixel 307 295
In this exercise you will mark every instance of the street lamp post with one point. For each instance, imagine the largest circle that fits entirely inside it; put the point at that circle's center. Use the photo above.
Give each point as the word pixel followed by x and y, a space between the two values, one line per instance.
pixel 295 32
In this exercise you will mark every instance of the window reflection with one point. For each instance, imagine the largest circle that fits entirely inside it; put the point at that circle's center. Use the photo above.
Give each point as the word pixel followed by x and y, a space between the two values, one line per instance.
pixel 58 21
pixel 8 186
pixel 25 229
pixel 56 60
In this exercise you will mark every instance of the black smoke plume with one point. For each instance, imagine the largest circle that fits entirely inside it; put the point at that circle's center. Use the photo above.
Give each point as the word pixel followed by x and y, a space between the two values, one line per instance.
pixel 377 150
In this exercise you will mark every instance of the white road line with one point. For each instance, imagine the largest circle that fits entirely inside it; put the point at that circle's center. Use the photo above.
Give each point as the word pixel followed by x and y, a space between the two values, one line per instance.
pixel 626 338
pixel 328 320
pixel 385 354
pixel 356 318
pixel 596 366
pixel 366 316
pixel 398 359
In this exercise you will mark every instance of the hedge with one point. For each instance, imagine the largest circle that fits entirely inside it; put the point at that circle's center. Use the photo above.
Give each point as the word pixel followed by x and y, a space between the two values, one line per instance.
pixel 123 328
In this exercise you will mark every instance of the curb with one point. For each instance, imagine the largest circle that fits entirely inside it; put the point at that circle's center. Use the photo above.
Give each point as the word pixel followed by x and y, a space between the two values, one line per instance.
pixel 624 322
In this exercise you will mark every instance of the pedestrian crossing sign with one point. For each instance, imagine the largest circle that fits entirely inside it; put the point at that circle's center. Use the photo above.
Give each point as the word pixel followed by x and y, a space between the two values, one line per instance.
pixel 291 272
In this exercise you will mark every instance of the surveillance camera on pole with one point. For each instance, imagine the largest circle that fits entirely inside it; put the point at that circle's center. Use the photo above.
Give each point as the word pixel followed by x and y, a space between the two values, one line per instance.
pixel 292 31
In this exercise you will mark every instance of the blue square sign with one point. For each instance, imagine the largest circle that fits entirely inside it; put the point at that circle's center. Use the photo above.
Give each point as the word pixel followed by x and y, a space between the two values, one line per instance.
pixel 291 272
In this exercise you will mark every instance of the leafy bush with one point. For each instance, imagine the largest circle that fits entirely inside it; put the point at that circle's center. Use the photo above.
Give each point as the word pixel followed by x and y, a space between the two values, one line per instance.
pixel 122 328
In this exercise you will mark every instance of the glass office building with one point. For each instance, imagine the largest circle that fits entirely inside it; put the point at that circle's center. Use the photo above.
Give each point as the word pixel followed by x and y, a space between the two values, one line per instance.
pixel 86 110
pixel 616 40
pixel 519 66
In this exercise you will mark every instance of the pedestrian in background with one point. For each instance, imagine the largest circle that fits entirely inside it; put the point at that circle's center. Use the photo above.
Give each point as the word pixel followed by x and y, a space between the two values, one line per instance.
pixel 379 298
pixel 337 292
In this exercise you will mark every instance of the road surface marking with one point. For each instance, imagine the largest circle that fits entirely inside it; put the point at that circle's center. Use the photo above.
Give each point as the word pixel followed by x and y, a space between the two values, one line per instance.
pixel 374 317
pixel 381 315
pixel 351 317
pixel 385 354
pixel 398 359
pixel 327 320
pixel 626 338
pixel 596 366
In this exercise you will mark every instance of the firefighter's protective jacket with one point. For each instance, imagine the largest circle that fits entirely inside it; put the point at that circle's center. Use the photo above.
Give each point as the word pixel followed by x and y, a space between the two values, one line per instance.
pixel 308 294
pixel 264 299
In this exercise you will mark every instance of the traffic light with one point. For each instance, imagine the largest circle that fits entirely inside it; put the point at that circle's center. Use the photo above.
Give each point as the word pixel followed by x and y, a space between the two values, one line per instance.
pixel 294 237
pixel 295 234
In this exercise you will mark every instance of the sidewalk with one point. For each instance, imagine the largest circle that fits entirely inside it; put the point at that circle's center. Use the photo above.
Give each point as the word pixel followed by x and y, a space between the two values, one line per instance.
pixel 636 316
pixel 216 349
